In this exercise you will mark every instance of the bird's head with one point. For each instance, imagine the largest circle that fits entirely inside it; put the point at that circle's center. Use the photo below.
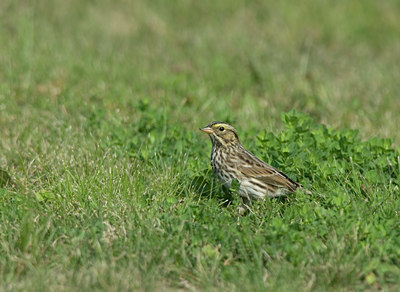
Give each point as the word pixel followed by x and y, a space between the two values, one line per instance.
pixel 222 134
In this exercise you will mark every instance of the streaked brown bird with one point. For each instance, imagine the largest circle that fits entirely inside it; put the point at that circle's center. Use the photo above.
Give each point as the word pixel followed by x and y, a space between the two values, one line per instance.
pixel 230 160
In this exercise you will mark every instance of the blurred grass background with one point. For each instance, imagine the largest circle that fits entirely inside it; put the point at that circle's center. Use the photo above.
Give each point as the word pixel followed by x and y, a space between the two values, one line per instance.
pixel 204 60
pixel 73 73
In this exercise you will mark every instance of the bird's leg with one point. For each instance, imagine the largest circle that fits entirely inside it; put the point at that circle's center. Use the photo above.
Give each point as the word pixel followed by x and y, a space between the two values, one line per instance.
pixel 245 206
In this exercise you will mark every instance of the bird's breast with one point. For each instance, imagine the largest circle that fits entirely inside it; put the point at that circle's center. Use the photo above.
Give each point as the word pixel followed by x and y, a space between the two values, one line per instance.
pixel 221 168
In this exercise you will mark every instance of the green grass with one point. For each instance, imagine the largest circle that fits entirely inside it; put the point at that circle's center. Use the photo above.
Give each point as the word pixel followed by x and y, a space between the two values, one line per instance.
pixel 105 179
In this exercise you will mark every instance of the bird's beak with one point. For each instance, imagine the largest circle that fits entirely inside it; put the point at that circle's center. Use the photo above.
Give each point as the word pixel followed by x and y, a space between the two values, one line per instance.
pixel 207 130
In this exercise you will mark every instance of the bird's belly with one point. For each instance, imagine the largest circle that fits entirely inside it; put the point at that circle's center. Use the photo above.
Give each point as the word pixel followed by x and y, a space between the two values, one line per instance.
pixel 224 178
pixel 250 190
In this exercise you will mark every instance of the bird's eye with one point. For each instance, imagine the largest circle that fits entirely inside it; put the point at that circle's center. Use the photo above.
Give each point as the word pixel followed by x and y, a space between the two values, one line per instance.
pixel 221 128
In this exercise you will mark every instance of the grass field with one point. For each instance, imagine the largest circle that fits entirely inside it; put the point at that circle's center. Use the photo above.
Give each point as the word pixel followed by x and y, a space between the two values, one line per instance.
pixel 105 179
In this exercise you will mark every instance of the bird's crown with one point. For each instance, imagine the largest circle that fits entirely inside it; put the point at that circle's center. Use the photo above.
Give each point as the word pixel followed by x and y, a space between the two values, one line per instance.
pixel 221 133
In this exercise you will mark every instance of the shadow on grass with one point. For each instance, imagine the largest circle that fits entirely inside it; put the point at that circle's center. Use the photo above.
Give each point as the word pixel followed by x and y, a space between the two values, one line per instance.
pixel 5 179
pixel 205 186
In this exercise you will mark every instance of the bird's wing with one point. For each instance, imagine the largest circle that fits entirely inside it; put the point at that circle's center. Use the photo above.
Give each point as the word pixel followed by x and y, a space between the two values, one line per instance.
pixel 268 175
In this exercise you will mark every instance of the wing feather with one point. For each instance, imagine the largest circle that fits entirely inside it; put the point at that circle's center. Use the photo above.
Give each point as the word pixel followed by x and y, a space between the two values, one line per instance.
pixel 265 173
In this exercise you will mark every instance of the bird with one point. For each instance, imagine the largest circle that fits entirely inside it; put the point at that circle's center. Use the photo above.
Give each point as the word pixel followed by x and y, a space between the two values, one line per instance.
pixel 230 160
